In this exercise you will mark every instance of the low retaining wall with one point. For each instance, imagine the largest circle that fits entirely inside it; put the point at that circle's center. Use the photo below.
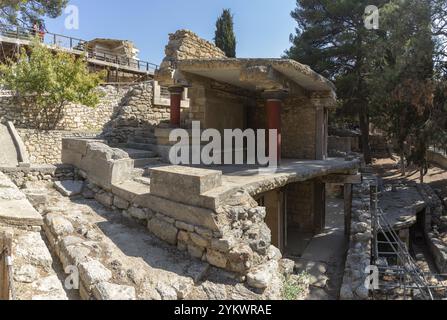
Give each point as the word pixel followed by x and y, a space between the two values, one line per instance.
pixel 21 175
pixel 359 254
pixel 45 147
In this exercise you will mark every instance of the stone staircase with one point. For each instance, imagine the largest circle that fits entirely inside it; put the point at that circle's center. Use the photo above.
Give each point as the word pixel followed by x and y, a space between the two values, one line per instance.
pixel 142 148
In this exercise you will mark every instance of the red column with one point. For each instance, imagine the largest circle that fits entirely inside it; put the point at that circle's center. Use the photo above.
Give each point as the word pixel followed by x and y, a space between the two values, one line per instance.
pixel 274 107
pixel 176 100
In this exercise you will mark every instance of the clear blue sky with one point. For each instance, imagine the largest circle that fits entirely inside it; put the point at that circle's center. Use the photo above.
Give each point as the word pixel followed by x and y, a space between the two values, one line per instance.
pixel 262 26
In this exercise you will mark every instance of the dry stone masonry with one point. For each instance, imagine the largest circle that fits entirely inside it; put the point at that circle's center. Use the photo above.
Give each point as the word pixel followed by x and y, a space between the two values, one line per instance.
pixel 359 254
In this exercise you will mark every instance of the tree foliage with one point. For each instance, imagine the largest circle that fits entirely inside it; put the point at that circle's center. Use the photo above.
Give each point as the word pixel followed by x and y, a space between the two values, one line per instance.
pixel 332 39
pixel 25 12
pixel 225 38
pixel 394 76
pixel 51 80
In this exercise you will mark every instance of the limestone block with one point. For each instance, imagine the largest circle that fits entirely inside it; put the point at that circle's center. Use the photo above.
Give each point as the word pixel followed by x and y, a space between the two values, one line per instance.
pixel 178 211
pixel 216 259
pixel 198 240
pixel 105 198
pixel 261 276
pixel 109 291
pixel 93 272
pixel 59 225
pixel 137 213
pixel 120 203
pixel 183 184
pixel 184 226
pixel 69 188
pixel 195 251
pixel 163 230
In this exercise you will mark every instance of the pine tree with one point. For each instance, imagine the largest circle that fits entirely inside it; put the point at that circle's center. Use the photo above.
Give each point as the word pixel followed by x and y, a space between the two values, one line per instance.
pixel 25 12
pixel 332 39
pixel 224 36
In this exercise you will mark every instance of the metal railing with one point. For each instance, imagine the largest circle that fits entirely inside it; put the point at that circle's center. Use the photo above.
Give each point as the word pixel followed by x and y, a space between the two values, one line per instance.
pixel 75 45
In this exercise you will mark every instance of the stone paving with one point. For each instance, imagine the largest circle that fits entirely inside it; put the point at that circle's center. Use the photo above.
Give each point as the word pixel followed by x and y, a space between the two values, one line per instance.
pixel 119 258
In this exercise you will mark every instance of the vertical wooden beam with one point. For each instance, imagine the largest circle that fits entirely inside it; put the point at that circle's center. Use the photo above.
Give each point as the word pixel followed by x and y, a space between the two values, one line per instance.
pixel 5 252
pixel 348 208
pixel 319 206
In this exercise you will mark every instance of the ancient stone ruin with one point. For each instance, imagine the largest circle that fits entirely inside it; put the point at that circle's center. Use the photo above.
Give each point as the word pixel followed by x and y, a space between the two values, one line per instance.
pixel 98 200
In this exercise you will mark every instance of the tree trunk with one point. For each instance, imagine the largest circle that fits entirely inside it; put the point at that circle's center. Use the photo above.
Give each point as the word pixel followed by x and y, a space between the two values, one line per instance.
pixel 403 170
pixel 364 128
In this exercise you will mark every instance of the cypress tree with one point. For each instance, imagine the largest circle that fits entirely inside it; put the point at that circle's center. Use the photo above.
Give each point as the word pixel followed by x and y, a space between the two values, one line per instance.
pixel 224 37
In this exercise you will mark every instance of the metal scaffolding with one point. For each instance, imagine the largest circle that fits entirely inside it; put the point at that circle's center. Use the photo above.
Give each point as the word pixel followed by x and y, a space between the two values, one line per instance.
pixel 399 275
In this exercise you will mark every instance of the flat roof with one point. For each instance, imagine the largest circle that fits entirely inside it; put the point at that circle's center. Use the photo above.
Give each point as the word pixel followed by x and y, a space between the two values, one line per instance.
pixel 244 73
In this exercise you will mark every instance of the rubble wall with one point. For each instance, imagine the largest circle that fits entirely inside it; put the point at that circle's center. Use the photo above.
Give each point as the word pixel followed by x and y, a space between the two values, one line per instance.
pixel 359 254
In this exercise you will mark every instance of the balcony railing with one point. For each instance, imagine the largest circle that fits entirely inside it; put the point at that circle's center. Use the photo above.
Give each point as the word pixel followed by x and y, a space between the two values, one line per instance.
pixel 75 45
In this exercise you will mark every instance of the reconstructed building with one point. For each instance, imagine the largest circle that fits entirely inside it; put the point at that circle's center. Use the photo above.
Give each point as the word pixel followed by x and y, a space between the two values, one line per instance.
pixel 233 217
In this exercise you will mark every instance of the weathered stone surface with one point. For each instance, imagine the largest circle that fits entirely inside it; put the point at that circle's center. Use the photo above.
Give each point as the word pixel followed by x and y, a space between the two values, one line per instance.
pixel 120 203
pixel 216 259
pixel 26 274
pixel 261 276
pixel 104 198
pixel 69 188
pixel 166 292
pixel 195 251
pixel 163 230
pixel 184 184
pixel 198 240
pixel 94 271
pixel 110 291
pixel 32 249
pixel 240 258
pixel 192 215
pixel 184 226
pixel 59 225
pixel 137 213
pixel 286 266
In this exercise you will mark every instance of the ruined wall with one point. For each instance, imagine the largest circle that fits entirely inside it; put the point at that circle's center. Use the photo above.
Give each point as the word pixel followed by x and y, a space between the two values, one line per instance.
pixel 299 119
pixel 136 110
pixel 185 44
pixel 360 245
pixel 121 111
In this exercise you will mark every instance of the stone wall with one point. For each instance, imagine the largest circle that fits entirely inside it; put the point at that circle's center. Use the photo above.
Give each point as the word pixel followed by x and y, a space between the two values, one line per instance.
pixel 300 206
pixel 45 147
pixel 136 110
pixel 121 111
pixel 299 120
pixel 360 246
pixel 74 118
pixel 185 44
pixel 49 173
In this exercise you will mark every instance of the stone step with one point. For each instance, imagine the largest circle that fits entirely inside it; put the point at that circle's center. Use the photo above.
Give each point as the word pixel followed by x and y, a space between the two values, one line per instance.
pixel 140 146
pixel 143 140
pixel 143 162
pixel 137 173
pixel 139 154
pixel 143 180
